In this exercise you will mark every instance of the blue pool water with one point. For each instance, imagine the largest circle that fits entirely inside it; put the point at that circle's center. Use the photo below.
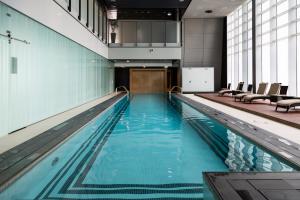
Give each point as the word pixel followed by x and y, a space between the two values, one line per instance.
pixel 148 148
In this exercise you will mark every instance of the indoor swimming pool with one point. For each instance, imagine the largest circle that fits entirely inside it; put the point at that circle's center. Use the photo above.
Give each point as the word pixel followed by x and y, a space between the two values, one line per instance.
pixel 148 147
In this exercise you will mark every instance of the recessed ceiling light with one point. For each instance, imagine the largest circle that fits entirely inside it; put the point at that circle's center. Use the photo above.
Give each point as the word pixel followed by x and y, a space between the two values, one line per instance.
pixel 169 14
pixel 181 0
pixel 128 61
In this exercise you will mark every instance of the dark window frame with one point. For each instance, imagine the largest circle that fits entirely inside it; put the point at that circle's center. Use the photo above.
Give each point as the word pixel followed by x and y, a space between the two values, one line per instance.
pixel 79 10
pixel 70 5
pixel 94 16
pixel 87 14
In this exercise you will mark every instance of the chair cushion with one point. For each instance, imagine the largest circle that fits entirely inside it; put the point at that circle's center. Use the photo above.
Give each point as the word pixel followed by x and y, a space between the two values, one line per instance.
pixel 251 96
pixel 222 91
pixel 288 102
pixel 274 88
pixel 262 88
pixel 241 95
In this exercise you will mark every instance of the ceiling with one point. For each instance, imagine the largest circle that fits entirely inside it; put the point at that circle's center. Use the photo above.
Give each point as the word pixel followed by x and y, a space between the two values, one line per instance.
pixel 220 8
pixel 148 9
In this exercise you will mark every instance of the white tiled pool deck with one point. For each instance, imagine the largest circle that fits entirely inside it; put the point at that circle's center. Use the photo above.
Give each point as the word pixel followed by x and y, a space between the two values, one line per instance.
pixel 285 131
pixel 9 141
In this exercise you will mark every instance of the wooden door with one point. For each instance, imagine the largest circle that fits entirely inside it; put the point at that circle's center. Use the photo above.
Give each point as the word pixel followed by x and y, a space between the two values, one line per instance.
pixel 147 80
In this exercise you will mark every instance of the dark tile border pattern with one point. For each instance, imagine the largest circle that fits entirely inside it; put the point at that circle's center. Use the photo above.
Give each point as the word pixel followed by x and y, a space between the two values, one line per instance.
pixel 13 161
pixel 72 175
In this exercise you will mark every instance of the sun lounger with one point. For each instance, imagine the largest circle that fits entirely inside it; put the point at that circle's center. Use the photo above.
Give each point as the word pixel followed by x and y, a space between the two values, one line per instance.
pixel 228 91
pixel 228 87
pixel 261 90
pixel 249 89
pixel 288 103
pixel 274 89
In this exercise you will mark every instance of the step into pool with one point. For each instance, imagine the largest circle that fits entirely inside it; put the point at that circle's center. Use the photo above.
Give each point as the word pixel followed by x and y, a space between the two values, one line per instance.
pixel 148 147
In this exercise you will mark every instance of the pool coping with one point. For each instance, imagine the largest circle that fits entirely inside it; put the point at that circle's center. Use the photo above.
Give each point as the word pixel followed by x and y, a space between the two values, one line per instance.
pixel 279 147
pixel 36 148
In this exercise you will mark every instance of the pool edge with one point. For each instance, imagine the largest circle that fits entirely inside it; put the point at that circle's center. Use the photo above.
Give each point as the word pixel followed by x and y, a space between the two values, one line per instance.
pixel 226 120
pixel 11 178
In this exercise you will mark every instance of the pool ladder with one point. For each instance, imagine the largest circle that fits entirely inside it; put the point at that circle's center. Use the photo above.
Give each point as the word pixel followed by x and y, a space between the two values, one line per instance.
pixel 173 88
pixel 124 89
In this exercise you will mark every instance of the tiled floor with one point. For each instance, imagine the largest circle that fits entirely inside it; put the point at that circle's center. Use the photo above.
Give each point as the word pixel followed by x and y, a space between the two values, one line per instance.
pixel 9 141
pixel 285 131
pixel 259 107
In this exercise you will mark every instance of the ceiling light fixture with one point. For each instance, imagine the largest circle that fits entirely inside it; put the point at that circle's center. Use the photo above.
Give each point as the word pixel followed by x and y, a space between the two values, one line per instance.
pixel 128 61
pixel 181 0
pixel 169 14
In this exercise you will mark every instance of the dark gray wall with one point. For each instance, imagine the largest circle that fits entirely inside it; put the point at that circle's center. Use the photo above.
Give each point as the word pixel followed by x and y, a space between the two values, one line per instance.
pixel 202 45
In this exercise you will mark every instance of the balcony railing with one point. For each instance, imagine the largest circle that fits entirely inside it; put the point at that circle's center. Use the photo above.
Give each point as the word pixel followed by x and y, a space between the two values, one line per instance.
pixel 141 33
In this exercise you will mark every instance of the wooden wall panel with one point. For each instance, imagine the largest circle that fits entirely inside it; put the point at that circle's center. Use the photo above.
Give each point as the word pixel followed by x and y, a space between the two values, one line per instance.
pixel 147 80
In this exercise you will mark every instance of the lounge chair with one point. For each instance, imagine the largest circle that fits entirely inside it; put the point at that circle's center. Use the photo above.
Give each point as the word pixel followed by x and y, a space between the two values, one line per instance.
pixel 283 89
pixel 227 91
pixel 228 87
pixel 288 103
pixel 249 89
pixel 261 90
pixel 282 95
pixel 274 89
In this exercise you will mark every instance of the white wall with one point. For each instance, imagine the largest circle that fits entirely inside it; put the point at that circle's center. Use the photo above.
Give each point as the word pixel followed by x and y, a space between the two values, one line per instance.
pixel 53 16
pixel 198 79
pixel 145 53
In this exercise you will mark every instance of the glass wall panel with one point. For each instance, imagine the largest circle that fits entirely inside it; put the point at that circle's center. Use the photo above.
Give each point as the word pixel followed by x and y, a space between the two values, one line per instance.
pixel 144 31
pixel 239 45
pixel 96 8
pixel 171 32
pixel 53 73
pixel 100 22
pixel 104 35
pixel 282 61
pixel 84 11
pixel 298 48
pixel 75 7
pixel 158 32
pixel 265 62
pixel 129 33
pixel 91 12
pixel 276 37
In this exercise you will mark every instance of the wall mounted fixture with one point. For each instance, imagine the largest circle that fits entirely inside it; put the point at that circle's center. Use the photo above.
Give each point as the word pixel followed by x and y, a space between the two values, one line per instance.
pixel 10 38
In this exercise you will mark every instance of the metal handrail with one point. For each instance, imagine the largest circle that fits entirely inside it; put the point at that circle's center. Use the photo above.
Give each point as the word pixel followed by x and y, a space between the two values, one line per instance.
pixel 127 91
pixel 174 87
